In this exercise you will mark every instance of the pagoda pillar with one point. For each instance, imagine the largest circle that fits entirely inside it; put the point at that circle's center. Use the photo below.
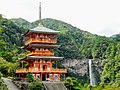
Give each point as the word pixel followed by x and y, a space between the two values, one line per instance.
pixel 35 75
pixel 45 77
pixel 64 77
pixel 58 76
pixel 56 64
pixel 22 64
pixel 41 76
pixel 50 65
pixel 19 75
pixel 52 76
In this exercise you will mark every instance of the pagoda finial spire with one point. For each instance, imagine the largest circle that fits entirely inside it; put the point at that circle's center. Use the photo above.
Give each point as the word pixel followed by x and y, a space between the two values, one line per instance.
pixel 39 10
pixel 40 22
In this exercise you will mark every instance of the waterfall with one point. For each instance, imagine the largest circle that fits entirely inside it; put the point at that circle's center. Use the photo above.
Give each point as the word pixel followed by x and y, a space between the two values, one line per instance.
pixel 92 79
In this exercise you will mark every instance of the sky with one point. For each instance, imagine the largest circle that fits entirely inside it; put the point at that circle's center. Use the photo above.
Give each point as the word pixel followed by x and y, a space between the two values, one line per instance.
pixel 100 17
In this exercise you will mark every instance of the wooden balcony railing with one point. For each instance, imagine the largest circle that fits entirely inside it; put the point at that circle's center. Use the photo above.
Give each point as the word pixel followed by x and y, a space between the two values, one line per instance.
pixel 24 70
pixel 38 40
pixel 41 53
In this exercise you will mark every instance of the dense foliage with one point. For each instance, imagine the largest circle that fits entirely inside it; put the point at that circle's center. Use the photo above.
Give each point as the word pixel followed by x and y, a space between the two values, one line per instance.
pixel 111 73
pixel 29 77
pixel 72 84
pixel 35 85
pixel 75 44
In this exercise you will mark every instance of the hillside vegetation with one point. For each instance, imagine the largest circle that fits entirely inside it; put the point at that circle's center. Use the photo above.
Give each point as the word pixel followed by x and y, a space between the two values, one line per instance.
pixel 74 40
pixel 75 44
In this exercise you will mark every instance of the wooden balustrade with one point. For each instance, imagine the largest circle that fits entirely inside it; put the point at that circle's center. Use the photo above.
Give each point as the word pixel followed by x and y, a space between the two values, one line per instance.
pixel 24 70
pixel 41 53
pixel 38 40
pixel 41 70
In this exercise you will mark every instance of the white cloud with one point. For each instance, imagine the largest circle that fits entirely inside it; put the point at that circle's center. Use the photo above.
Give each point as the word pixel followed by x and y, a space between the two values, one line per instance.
pixel 90 15
pixel 110 30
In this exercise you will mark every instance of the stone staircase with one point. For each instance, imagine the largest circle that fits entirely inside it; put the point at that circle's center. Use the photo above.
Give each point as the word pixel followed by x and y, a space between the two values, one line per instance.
pixel 54 85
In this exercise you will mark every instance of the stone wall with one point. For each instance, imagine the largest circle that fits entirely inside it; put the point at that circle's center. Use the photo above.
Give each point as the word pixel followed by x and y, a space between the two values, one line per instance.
pixel 81 67
pixel 76 66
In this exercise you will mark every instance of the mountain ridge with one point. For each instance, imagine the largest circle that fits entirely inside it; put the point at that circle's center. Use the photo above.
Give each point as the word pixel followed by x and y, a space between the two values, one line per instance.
pixel 75 43
pixel 23 21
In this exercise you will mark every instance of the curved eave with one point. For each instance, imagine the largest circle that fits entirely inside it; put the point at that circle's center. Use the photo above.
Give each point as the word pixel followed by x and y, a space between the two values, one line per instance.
pixel 31 46
pixel 44 57
pixel 46 32
pixel 43 30
pixel 40 29
pixel 27 58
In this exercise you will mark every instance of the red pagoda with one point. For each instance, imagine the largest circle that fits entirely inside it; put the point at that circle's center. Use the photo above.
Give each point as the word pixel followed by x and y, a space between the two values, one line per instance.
pixel 41 41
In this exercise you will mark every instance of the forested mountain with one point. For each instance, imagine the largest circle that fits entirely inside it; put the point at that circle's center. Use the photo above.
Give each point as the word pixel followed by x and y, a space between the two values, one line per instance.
pixel 75 44
pixel 21 22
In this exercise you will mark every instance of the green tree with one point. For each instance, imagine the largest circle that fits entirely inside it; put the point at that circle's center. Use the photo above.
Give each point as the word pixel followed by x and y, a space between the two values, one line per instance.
pixel 110 74
pixel 35 85
pixel 7 56
pixel 118 79
pixel 68 83
pixel 29 77
pixel 7 68
pixel 72 84
pixel 76 84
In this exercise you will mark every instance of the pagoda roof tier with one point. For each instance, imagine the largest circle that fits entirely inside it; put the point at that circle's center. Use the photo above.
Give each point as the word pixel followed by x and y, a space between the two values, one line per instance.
pixel 29 58
pixel 32 46
pixel 41 29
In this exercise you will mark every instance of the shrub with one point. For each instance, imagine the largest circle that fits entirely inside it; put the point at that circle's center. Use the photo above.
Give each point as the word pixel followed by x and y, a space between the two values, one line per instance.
pixel 9 77
pixel 1 74
pixel 35 85
pixel 29 77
